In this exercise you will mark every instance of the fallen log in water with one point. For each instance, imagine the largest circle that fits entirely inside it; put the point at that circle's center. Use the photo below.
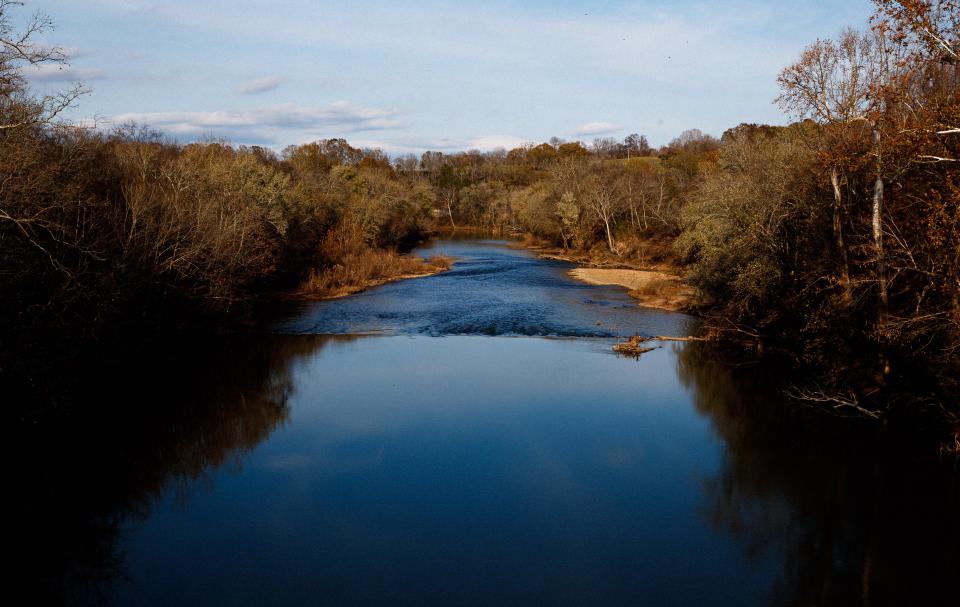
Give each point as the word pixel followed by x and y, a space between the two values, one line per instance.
pixel 634 346
pixel 629 350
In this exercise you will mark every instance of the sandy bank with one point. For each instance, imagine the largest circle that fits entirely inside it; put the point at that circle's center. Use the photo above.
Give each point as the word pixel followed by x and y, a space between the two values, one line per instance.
pixel 650 289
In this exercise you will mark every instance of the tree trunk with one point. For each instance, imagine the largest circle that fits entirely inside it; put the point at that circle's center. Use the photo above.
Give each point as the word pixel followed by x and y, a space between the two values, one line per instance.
pixel 881 262
pixel 878 228
pixel 606 223
pixel 838 237
pixel 450 213
pixel 659 212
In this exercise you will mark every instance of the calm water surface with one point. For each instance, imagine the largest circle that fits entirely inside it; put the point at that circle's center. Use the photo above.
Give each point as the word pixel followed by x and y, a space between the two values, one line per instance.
pixel 469 439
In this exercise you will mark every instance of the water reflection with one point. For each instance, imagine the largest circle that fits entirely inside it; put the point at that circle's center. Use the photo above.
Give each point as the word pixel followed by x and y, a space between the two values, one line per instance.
pixel 855 518
pixel 421 468
pixel 144 428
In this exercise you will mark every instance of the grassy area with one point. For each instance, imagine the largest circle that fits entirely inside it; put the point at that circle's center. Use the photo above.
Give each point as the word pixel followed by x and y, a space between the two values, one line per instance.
pixel 368 269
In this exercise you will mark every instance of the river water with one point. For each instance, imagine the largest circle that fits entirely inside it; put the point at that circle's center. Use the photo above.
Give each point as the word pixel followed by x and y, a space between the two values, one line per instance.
pixel 470 439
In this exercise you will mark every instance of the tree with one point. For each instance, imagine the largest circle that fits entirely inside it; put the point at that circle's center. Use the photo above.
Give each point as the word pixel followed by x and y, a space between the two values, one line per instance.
pixel 743 230
pixel 928 29
pixel 18 50
pixel 39 180
pixel 636 145
pixel 573 149
pixel 542 155
pixel 569 176
pixel 922 106
pixel 604 147
pixel 603 197
pixel 838 84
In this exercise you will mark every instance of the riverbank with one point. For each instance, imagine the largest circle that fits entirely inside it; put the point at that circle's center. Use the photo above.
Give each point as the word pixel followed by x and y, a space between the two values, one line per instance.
pixel 651 276
pixel 651 289
pixel 365 271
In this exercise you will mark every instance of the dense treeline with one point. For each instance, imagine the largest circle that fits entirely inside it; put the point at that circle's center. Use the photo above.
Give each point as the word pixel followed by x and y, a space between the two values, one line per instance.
pixel 577 197
pixel 96 226
pixel 841 235
pixel 835 239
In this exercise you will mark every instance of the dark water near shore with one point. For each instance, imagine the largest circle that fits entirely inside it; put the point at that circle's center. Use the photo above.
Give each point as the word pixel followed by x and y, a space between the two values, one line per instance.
pixel 433 442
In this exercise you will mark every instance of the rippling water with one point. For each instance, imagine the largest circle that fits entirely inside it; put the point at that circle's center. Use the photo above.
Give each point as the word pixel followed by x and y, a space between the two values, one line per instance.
pixel 402 468
pixel 493 289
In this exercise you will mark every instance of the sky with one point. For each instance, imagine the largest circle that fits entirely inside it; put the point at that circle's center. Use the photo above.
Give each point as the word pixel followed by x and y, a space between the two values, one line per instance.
pixel 446 76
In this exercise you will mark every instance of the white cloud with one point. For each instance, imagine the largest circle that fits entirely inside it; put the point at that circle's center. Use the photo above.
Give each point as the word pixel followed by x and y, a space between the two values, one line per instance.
pixel 270 124
pixel 63 73
pixel 411 145
pixel 418 145
pixel 534 69
pixel 261 85
pixel 596 128
pixel 666 44
pixel 487 143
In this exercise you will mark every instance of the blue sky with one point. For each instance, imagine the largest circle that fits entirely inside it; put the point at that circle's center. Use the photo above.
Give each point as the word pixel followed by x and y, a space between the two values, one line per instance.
pixel 411 76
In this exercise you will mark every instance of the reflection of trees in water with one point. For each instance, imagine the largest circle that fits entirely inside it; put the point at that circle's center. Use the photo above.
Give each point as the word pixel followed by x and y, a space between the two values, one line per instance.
pixel 143 429
pixel 856 520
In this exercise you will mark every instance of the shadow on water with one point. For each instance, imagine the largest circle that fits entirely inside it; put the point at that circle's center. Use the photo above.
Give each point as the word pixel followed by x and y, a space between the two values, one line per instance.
pixel 855 519
pixel 847 518
pixel 143 429
pixel 336 469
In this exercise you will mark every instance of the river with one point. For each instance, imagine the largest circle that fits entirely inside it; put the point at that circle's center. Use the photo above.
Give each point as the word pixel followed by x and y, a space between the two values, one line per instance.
pixel 470 439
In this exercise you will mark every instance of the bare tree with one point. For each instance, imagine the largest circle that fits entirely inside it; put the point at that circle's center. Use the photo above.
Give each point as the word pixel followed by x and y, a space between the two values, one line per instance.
pixel 19 49
pixel 603 198
pixel 604 147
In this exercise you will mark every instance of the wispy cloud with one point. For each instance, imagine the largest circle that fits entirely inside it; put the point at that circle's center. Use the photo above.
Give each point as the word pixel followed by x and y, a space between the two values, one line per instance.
pixel 261 85
pixel 76 52
pixel 411 144
pixel 63 73
pixel 493 142
pixel 269 124
pixel 596 128
pixel 418 145
pixel 533 69
pixel 695 41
